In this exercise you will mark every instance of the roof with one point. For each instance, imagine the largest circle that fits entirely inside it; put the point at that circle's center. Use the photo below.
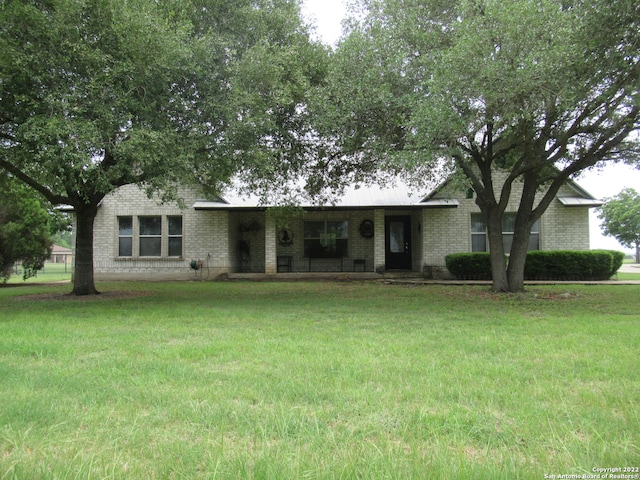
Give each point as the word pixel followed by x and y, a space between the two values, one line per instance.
pixel 373 196
pixel 364 197
pixel 57 249
pixel 579 202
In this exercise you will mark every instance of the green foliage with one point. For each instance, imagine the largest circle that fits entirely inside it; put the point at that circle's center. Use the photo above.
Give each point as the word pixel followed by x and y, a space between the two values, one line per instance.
pixel 568 265
pixel 620 217
pixel 484 88
pixel 469 266
pixel 25 230
pixel 543 265
pixel 96 95
pixel 617 259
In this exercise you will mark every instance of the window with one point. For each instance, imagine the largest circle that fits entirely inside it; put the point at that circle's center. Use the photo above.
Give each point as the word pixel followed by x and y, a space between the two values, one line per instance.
pixel 125 236
pixel 478 233
pixel 150 236
pixel 326 239
pixel 479 242
pixel 175 236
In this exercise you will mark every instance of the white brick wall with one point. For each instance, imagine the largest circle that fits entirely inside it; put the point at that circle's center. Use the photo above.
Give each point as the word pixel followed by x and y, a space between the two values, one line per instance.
pixel 448 230
pixel 203 233
pixel 215 236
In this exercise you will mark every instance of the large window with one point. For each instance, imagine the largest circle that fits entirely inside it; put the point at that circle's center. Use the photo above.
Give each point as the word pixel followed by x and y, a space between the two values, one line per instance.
pixel 480 243
pixel 326 239
pixel 150 236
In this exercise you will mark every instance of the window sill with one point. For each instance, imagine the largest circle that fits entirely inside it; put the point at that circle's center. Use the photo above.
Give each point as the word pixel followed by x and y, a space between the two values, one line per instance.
pixel 149 259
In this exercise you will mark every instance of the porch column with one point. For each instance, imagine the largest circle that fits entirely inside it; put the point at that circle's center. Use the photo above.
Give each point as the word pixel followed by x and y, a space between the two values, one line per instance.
pixel 379 240
pixel 270 266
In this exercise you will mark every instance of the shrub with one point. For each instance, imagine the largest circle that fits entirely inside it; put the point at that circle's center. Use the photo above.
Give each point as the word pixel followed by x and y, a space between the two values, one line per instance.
pixel 617 260
pixel 469 266
pixel 568 265
pixel 542 265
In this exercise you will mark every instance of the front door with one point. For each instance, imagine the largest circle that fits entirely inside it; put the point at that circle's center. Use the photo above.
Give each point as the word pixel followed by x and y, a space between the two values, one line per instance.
pixel 398 243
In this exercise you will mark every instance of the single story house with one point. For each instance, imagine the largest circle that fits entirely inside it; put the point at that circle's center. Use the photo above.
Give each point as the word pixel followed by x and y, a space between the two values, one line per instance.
pixel 60 254
pixel 370 231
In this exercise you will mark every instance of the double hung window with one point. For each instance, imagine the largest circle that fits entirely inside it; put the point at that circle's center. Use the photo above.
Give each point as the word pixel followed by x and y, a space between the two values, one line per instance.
pixel 150 236
pixel 175 236
pixel 479 240
pixel 125 236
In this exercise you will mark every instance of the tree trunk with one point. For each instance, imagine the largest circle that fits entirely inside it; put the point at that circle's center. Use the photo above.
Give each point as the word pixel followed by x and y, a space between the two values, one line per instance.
pixel 518 258
pixel 496 251
pixel 83 282
pixel 637 252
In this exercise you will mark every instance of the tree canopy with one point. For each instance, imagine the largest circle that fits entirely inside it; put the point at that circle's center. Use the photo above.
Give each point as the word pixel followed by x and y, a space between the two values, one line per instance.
pixel 620 217
pixel 531 92
pixel 98 94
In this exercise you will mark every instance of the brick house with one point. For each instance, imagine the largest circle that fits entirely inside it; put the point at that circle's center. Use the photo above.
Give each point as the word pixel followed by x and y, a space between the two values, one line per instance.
pixel 368 232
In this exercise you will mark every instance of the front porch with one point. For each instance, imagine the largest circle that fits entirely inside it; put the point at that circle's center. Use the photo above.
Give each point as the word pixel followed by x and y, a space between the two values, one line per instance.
pixel 338 241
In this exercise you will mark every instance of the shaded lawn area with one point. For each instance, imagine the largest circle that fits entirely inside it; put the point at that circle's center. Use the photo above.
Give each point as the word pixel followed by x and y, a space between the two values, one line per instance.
pixel 317 380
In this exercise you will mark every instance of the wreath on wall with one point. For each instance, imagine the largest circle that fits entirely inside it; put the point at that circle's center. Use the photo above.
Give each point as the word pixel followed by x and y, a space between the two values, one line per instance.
pixel 285 237
pixel 366 229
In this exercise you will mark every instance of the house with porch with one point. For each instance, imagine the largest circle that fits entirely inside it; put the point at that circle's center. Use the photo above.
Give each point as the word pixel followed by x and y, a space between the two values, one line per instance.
pixel 368 232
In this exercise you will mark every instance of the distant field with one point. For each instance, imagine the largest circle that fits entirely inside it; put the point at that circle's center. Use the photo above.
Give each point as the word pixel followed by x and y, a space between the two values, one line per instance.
pixel 236 380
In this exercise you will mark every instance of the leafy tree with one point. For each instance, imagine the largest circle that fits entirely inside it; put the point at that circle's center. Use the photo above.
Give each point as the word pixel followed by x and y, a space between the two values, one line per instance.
pixel 529 91
pixel 620 217
pixel 25 229
pixel 102 93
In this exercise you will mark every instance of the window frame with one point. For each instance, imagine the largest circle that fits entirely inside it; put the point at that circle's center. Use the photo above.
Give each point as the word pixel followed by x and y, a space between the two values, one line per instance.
pixel 122 236
pixel 174 236
pixel 164 240
pixel 332 240
pixel 150 241
pixel 507 235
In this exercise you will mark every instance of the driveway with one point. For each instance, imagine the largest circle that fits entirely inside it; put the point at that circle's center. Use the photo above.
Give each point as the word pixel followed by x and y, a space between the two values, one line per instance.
pixel 630 268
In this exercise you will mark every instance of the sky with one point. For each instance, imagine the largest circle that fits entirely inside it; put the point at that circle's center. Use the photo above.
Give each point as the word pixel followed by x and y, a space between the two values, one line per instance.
pixel 327 15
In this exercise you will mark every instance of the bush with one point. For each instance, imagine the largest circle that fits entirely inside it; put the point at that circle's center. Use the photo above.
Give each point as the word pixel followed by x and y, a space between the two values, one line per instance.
pixel 568 265
pixel 542 265
pixel 469 266
pixel 617 260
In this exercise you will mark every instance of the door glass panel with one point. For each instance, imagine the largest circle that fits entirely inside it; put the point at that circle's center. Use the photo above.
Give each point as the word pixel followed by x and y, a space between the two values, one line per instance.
pixel 396 237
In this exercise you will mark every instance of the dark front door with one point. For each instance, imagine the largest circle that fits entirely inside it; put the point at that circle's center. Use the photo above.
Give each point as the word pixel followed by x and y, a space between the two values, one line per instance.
pixel 398 243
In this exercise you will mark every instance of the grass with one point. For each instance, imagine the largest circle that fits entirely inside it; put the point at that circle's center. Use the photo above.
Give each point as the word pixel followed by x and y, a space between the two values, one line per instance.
pixel 317 380
pixel 52 272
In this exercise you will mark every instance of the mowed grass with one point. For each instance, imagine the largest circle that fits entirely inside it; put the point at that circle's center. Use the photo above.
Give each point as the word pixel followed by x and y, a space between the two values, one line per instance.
pixel 52 272
pixel 317 381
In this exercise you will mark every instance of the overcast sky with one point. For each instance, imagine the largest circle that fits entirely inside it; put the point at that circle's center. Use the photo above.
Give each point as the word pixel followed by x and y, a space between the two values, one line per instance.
pixel 327 15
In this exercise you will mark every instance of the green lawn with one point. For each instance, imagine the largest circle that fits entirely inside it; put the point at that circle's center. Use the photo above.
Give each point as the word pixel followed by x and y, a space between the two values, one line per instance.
pixel 236 380
pixel 52 272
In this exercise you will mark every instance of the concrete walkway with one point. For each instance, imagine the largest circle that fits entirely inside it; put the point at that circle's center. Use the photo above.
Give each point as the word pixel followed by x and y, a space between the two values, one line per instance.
pixel 415 278
pixel 630 268
pixel 626 268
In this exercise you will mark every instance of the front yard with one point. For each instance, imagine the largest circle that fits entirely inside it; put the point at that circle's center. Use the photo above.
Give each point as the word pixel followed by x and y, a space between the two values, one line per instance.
pixel 317 380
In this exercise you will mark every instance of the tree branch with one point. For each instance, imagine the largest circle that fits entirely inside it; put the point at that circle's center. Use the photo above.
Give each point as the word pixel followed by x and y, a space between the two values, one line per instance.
pixel 44 191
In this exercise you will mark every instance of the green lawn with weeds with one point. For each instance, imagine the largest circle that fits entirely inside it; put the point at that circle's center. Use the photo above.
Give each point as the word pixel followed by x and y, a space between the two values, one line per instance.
pixel 239 380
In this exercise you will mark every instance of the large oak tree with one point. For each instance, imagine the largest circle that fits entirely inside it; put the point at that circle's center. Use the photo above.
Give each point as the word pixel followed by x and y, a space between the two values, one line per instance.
pixel 96 94
pixel 534 90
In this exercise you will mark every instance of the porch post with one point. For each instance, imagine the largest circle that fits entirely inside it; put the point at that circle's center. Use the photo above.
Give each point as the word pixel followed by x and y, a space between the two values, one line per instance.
pixel 379 241
pixel 270 266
